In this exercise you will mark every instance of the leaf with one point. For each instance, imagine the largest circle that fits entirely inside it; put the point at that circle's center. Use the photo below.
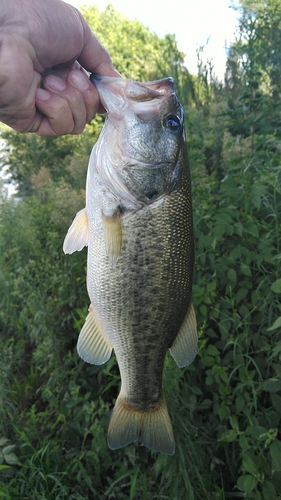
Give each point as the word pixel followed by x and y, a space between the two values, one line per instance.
pixel 196 390
pixel 271 385
pixel 276 286
pixel 232 275
pixel 239 403
pixel 212 350
pixel 276 480
pixel 236 253
pixel 276 324
pixel 12 459
pixel 234 423
pixel 248 464
pixel 206 403
pixel 246 483
pixel 8 449
pixel 3 441
pixel 276 401
pixel 252 228
pixel 275 452
pixel 246 270
pixel 224 216
pixel 256 431
pixel 269 490
pixel 211 286
pixel 241 294
pixel 203 310
pixel 243 443
pixel 208 360
pixel 228 436
pixel 4 467
pixel 258 191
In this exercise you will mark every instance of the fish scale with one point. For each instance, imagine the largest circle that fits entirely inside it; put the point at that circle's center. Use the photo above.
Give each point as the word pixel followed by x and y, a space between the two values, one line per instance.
pixel 140 257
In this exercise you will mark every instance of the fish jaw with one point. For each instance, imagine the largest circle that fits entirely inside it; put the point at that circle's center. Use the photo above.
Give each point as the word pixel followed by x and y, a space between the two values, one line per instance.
pixel 117 94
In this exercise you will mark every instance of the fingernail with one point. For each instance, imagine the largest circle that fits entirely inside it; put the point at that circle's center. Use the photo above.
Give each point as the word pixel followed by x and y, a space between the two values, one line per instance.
pixel 54 83
pixel 42 95
pixel 79 80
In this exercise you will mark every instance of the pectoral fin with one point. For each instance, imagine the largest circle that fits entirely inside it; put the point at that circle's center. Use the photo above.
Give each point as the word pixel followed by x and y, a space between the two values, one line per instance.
pixel 92 346
pixel 78 233
pixel 184 347
pixel 113 235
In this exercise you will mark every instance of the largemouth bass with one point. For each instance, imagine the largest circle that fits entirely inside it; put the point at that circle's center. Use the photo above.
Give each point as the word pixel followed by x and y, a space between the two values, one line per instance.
pixel 138 227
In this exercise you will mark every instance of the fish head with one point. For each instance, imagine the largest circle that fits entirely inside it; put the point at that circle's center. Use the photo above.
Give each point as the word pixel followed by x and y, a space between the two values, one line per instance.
pixel 144 132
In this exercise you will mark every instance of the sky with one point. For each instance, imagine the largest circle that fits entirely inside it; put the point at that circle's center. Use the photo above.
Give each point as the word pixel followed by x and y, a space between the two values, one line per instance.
pixel 195 23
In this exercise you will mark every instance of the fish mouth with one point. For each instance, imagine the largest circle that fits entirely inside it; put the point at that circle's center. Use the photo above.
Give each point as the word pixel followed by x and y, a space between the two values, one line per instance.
pixel 148 91
pixel 137 93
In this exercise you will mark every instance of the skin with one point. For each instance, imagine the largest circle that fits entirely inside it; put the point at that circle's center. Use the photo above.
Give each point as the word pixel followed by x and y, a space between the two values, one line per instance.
pixel 45 47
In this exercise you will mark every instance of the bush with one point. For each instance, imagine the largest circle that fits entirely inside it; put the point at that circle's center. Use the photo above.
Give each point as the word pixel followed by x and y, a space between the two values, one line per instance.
pixel 236 294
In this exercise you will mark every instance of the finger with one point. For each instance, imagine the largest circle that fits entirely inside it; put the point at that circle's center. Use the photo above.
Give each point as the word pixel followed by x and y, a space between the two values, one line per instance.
pixel 18 84
pixel 55 116
pixel 82 83
pixel 74 99
pixel 80 101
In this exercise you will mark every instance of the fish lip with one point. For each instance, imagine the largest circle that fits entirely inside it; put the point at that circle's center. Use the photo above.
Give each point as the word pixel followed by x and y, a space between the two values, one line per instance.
pixel 139 91
pixel 97 77
pixel 143 99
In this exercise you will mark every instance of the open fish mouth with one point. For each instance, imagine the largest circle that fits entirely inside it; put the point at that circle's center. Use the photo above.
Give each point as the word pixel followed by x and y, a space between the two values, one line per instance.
pixel 138 91
pixel 145 97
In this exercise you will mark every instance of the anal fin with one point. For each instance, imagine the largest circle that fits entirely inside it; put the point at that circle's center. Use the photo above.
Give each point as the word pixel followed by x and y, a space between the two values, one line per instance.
pixel 184 348
pixel 92 346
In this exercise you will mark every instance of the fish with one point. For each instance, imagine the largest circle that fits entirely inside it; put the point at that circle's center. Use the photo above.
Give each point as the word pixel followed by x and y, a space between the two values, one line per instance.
pixel 137 224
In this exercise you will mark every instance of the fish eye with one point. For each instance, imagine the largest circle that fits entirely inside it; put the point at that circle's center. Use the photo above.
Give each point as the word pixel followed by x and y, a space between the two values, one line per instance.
pixel 173 123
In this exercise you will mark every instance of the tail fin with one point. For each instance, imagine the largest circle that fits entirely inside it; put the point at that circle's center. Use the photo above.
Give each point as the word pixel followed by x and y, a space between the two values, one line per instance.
pixel 152 427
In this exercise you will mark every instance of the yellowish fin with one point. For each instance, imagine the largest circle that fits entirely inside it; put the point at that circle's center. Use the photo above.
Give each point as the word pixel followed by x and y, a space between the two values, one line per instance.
pixel 92 346
pixel 184 348
pixel 78 233
pixel 113 235
pixel 152 427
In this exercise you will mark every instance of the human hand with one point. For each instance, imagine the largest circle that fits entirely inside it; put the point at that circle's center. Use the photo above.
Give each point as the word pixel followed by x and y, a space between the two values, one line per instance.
pixel 44 46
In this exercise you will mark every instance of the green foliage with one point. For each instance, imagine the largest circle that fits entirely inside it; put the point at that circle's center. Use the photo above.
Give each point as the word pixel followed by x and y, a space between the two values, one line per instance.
pixel 26 154
pixel 238 264
pixel 225 407
pixel 136 52
pixel 253 75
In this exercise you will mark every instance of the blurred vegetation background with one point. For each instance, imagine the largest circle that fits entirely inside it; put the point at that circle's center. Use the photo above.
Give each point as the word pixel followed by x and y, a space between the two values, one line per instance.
pixel 225 407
